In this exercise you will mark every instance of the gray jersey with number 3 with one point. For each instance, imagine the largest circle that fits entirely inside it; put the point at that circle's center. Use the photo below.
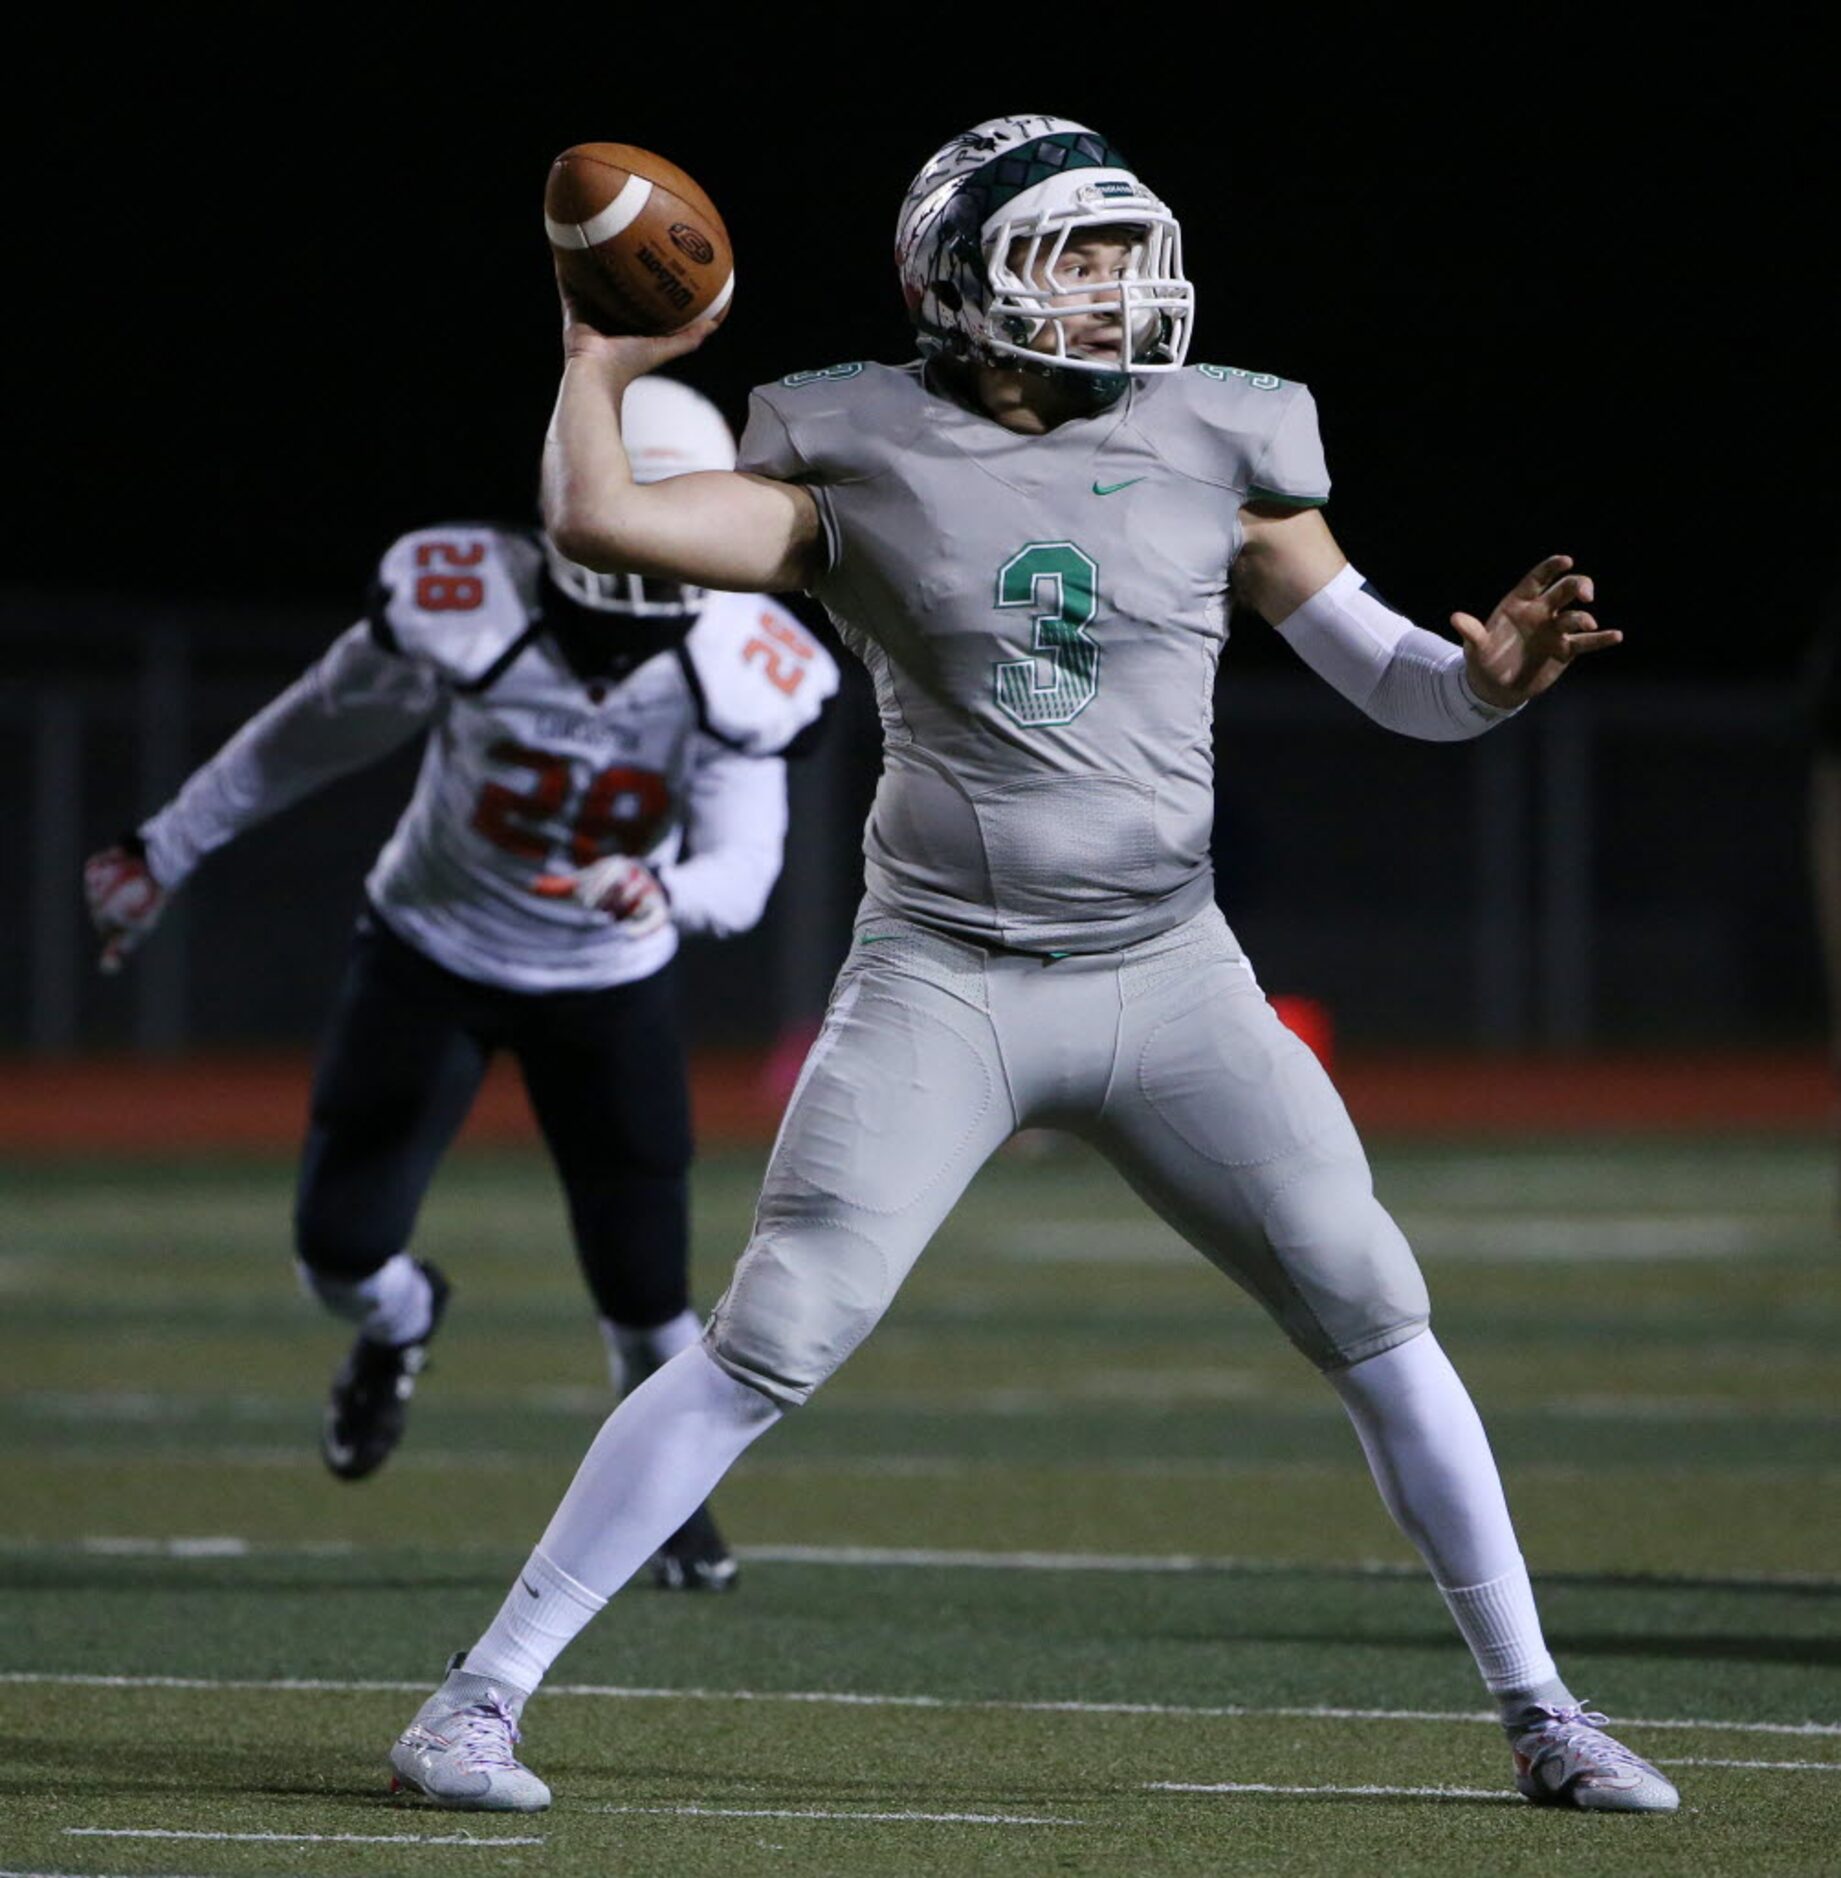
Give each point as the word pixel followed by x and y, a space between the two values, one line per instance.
pixel 1042 616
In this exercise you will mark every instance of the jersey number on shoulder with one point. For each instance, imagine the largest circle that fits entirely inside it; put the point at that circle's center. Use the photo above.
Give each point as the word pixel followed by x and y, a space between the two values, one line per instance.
pixel 786 651
pixel 1059 681
pixel 447 592
pixel 622 811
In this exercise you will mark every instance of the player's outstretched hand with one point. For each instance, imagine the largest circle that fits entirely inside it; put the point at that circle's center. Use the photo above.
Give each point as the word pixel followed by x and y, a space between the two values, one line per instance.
pixel 619 886
pixel 631 353
pixel 1538 628
pixel 125 901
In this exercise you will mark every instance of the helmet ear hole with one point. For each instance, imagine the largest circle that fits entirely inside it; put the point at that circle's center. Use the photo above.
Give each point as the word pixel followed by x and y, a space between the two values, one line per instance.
pixel 949 296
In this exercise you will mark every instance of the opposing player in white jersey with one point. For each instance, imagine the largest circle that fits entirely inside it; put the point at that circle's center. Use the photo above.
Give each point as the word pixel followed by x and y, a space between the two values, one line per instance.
pixel 603 772
pixel 1029 536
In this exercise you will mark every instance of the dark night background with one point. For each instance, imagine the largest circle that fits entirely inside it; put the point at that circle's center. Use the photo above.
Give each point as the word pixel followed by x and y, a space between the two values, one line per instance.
pixel 1558 282
pixel 1548 281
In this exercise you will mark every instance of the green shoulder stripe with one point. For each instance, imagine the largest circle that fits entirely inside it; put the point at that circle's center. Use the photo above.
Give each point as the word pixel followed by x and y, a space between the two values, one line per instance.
pixel 1256 494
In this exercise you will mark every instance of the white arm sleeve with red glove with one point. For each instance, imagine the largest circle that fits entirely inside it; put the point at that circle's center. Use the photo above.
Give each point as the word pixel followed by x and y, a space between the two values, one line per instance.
pixel 353 706
pixel 735 830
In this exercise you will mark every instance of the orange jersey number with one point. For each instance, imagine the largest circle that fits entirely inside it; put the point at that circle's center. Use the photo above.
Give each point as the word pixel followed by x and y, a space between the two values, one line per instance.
pixel 622 811
pixel 786 650
pixel 449 592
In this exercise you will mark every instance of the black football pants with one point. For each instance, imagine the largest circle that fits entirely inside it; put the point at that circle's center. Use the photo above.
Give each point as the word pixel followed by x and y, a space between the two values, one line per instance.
pixel 400 1065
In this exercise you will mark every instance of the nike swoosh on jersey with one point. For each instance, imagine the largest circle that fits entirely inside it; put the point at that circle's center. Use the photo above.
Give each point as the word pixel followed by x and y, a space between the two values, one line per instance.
pixel 1112 489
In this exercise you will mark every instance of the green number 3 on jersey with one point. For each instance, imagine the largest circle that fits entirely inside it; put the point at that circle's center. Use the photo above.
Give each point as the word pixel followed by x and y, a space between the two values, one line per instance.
pixel 1058 682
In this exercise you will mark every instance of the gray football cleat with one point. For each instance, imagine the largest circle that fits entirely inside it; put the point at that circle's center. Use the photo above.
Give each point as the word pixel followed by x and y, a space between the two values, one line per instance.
pixel 457 1751
pixel 1563 1757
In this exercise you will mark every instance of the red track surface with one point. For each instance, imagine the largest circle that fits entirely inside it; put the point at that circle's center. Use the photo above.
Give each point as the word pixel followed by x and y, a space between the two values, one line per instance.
pixel 201 1104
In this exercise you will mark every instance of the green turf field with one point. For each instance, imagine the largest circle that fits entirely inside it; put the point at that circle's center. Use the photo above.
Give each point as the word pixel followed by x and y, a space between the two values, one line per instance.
pixel 1073 1540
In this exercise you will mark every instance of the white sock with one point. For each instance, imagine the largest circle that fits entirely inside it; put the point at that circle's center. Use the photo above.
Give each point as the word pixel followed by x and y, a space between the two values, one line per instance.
pixel 632 1355
pixel 1499 1623
pixel 395 1304
pixel 1431 1461
pixel 537 1622
pixel 655 1461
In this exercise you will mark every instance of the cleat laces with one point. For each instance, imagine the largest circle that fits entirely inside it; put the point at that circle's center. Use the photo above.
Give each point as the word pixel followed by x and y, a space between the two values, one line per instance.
pixel 1576 1733
pixel 485 1735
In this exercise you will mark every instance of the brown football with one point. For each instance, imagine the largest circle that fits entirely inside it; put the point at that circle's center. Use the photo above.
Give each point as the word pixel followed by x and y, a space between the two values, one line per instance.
pixel 635 239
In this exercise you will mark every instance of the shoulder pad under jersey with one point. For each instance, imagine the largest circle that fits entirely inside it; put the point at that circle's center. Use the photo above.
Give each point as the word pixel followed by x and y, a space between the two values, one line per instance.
pixel 1251 432
pixel 759 676
pixel 459 598
pixel 837 424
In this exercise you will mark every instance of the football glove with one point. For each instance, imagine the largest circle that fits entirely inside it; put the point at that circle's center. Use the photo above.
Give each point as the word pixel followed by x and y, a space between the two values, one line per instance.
pixel 125 901
pixel 624 889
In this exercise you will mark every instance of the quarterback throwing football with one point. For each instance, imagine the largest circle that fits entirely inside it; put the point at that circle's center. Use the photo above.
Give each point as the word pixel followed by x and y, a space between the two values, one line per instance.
pixel 1029 536
pixel 603 772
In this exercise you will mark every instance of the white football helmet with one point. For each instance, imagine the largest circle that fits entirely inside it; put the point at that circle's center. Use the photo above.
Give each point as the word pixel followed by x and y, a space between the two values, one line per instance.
pixel 1035 181
pixel 669 430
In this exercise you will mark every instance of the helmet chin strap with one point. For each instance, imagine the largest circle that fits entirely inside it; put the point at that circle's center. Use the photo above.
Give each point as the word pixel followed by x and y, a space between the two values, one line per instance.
pixel 1087 390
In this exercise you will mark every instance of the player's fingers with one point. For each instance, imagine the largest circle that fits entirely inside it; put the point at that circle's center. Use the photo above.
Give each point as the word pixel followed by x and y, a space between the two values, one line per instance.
pixel 1541 576
pixel 1568 592
pixel 574 312
pixel 1470 629
pixel 554 886
pixel 1591 642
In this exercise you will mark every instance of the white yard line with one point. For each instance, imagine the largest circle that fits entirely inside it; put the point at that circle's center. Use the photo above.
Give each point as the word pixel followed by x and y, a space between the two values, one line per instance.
pixel 295 1838
pixel 1197 1562
pixel 1786 1767
pixel 1801 1476
pixel 212 1546
pixel 824 1698
pixel 943 1557
pixel 225 1546
pixel 1262 1786
pixel 774 1812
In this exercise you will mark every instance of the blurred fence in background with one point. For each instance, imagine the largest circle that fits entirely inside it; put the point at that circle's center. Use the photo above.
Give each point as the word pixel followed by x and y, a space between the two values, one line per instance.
pixel 1624 867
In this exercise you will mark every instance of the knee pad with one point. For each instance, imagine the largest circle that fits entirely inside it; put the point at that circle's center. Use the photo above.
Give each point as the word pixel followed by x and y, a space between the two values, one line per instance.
pixel 1356 1288
pixel 796 1308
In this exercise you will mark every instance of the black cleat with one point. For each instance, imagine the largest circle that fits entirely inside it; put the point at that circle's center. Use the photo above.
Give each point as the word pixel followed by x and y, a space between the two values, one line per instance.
pixel 695 1558
pixel 369 1402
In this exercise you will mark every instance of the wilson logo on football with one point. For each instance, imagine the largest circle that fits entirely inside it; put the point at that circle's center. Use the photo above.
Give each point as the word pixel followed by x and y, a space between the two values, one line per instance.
pixel 689 241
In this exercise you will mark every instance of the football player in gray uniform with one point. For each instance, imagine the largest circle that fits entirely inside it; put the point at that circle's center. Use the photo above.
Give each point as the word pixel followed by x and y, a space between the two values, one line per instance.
pixel 602 773
pixel 1030 536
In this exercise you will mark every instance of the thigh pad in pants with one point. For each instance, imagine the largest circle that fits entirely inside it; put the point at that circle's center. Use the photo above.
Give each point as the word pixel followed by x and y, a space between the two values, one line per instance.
pixel 901 1101
pixel 1229 1126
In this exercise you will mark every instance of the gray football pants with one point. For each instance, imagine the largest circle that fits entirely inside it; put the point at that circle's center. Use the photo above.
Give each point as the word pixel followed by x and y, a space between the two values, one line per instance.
pixel 1164 1055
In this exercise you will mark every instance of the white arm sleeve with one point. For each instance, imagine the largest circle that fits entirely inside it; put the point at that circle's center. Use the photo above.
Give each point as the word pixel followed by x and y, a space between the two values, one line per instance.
pixel 735 828
pixel 1410 680
pixel 355 704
